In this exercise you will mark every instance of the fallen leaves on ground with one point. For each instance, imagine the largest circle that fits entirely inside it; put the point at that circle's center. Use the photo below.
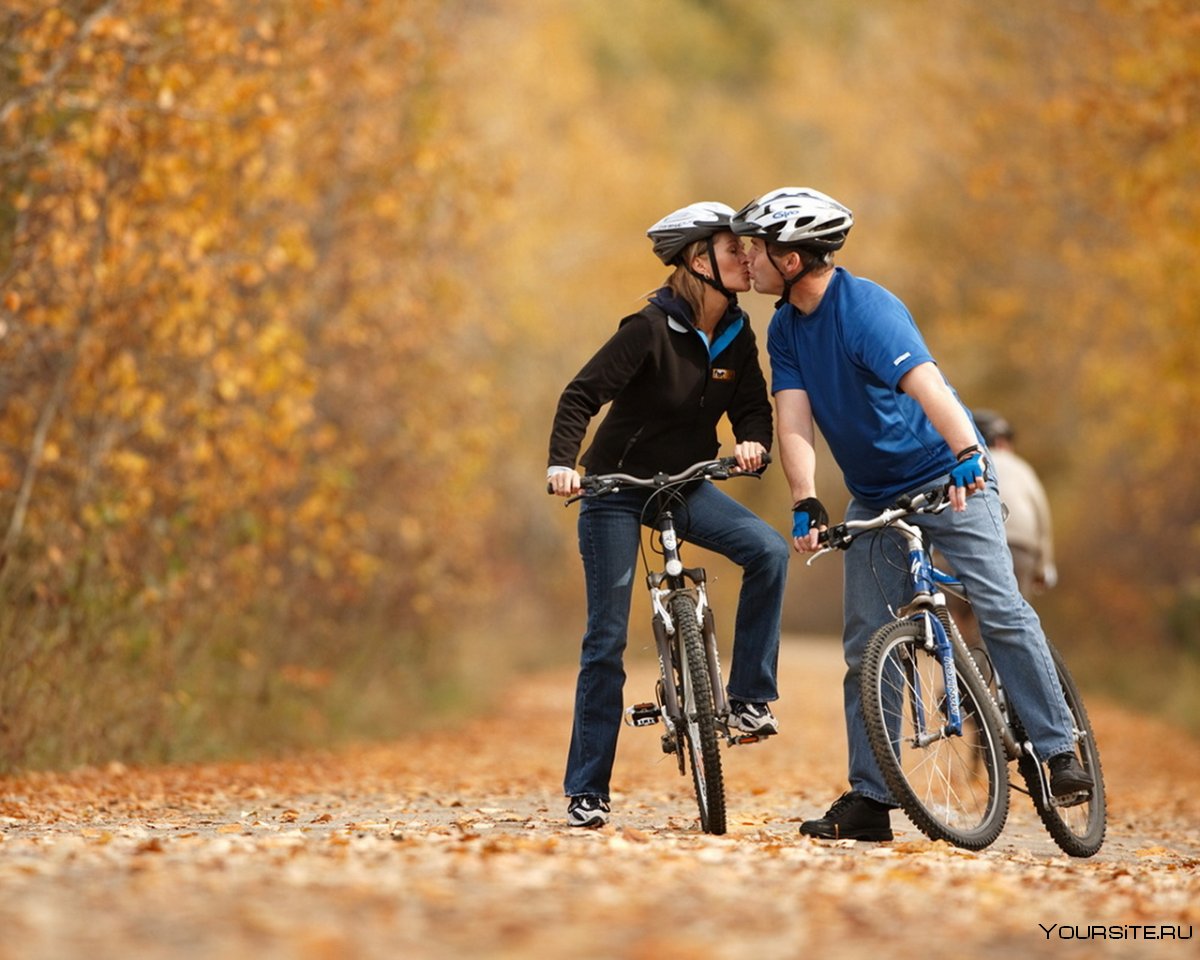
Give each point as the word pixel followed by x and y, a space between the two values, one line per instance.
pixel 453 845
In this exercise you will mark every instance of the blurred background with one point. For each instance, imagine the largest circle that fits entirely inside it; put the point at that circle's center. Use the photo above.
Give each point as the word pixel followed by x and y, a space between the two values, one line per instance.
pixel 288 291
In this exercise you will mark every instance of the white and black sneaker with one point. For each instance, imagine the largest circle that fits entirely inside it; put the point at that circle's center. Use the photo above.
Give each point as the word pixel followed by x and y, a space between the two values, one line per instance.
pixel 755 719
pixel 587 811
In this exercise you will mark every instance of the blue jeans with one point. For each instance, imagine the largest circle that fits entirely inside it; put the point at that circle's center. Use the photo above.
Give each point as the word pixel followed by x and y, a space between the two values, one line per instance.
pixel 609 535
pixel 974 546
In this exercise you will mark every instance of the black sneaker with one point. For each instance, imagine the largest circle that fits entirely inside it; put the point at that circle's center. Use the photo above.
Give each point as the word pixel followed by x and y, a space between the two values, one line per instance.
pixel 587 811
pixel 852 817
pixel 753 718
pixel 1068 777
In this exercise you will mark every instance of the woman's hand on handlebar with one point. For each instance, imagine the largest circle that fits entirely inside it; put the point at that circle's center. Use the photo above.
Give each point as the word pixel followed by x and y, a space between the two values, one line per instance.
pixel 751 456
pixel 564 483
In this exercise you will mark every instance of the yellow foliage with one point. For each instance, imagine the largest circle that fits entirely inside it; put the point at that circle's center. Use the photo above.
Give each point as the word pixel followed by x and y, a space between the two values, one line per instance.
pixel 201 355
pixel 287 290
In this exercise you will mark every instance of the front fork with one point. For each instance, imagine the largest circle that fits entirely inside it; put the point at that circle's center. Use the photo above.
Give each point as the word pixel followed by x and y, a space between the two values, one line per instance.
pixel 720 701
pixel 667 640
pixel 930 611
pixel 664 587
pixel 938 641
pixel 670 661
pixel 670 711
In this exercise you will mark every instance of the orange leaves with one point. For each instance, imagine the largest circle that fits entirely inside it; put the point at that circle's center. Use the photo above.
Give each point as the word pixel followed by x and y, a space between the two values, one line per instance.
pixel 216 247
pixel 451 843
pixel 1063 290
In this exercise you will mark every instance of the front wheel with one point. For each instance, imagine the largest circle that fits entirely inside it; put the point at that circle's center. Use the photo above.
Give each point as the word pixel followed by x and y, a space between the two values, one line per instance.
pixel 1076 824
pixel 953 786
pixel 699 726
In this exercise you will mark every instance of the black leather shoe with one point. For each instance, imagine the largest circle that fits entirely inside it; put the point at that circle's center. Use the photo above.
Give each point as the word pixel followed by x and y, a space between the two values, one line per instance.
pixel 852 817
pixel 1067 776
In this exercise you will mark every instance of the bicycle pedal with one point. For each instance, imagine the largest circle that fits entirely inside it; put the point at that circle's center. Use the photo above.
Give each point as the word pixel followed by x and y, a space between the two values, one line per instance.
pixel 744 738
pixel 1073 799
pixel 642 715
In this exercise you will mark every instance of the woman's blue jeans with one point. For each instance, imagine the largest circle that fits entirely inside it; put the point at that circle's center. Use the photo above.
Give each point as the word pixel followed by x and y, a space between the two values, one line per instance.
pixel 610 531
pixel 975 548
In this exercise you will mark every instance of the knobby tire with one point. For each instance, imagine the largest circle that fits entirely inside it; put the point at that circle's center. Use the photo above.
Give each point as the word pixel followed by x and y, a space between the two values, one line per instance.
pixel 699 717
pixel 955 787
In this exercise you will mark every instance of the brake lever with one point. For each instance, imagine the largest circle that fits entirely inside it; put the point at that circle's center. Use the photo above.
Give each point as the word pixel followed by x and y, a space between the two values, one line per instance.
pixel 819 553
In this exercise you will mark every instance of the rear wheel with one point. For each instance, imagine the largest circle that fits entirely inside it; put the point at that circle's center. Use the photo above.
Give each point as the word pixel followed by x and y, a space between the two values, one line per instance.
pixel 699 725
pixel 953 786
pixel 1077 824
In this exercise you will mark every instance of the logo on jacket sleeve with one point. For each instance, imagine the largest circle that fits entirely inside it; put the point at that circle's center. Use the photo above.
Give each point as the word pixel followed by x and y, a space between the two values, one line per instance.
pixel 720 373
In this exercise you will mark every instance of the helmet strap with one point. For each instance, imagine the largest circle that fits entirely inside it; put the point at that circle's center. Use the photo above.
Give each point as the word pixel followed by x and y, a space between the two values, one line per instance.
pixel 788 283
pixel 715 280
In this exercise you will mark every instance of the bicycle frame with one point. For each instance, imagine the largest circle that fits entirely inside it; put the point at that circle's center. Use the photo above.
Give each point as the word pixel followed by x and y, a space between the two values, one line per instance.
pixel 936 579
pixel 927 598
pixel 927 603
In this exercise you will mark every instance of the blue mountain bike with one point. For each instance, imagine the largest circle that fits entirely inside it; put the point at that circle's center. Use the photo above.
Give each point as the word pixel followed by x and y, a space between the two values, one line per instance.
pixel 939 721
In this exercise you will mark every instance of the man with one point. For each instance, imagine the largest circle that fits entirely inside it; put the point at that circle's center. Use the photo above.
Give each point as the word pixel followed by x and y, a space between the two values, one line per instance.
pixel 847 357
pixel 1028 528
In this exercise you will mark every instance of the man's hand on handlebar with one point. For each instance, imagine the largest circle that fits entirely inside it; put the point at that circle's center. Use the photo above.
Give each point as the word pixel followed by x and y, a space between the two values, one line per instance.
pixel 968 476
pixel 809 519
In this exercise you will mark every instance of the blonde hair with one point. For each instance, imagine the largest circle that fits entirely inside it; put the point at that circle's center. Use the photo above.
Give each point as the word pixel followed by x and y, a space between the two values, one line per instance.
pixel 687 286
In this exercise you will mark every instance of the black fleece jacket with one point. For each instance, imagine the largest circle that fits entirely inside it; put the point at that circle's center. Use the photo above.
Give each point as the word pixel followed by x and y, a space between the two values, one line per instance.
pixel 667 394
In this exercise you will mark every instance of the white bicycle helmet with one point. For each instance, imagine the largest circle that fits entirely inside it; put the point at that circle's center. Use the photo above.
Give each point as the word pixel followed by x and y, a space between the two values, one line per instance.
pixel 796 216
pixel 696 221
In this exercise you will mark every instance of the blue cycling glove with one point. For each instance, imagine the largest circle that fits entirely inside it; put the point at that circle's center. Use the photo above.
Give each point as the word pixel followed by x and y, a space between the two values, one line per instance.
pixel 971 467
pixel 806 514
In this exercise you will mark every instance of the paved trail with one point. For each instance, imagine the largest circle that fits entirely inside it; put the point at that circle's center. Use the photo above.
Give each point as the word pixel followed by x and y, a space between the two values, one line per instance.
pixel 452 845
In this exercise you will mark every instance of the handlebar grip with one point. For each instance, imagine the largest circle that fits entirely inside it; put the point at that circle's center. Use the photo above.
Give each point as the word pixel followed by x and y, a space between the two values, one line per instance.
pixel 586 483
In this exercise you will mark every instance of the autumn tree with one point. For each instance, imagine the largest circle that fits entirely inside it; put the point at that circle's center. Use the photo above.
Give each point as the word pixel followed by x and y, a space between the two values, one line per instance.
pixel 229 347
pixel 1070 220
pixel 288 290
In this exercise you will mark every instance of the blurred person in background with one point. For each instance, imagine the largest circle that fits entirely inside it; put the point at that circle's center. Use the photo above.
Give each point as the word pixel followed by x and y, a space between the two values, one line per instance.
pixel 671 371
pixel 847 358
pixel 1028 527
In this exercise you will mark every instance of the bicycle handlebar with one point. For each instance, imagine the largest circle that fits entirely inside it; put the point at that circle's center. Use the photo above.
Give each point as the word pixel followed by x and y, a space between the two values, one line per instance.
pixel 841 535
pixel 601 485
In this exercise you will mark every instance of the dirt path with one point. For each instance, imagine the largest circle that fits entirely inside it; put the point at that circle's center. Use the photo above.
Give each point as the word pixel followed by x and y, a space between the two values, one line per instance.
pixel 452 845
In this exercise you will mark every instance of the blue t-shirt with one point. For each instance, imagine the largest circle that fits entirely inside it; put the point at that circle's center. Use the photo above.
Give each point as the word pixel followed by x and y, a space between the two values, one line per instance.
pixel 849 356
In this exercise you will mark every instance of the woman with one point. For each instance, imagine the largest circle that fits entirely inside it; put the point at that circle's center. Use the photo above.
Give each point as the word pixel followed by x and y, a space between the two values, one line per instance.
pixel 670 371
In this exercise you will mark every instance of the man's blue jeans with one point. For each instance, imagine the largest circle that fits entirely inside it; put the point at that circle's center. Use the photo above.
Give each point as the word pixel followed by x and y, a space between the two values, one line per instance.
pixel 609 534
pixel 974 546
